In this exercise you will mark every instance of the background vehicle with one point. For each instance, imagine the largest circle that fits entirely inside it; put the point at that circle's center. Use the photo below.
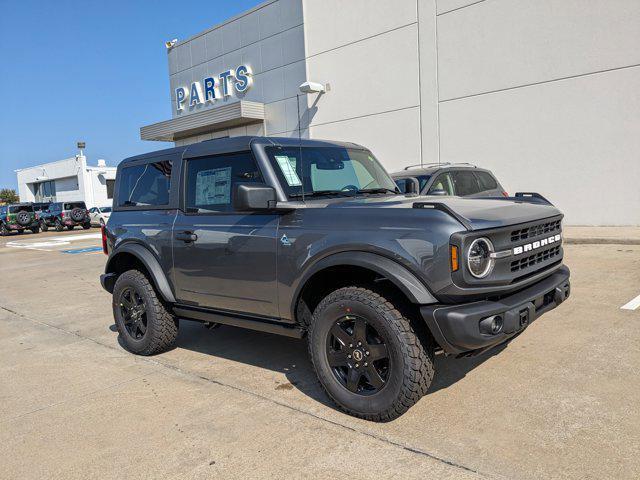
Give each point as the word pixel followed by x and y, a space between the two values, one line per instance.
pixel 310 238
pixel 18 217
pixel 65 214
pixel 462 180
pixel 99 215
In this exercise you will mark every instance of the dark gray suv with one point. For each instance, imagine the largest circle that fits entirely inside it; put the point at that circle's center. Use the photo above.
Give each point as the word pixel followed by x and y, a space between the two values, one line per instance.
pixel 311 238
pixel 460 179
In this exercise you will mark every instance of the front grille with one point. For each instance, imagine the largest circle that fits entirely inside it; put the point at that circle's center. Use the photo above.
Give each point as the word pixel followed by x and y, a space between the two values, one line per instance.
pixel 532 260
pixel 535 230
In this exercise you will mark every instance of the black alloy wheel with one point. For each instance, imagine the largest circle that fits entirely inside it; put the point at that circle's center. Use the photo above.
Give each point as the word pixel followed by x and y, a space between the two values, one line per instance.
pixel 358 355
pixel 134 313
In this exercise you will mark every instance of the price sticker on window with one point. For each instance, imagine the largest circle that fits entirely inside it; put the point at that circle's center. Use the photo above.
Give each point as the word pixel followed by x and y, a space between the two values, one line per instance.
pixel 288 167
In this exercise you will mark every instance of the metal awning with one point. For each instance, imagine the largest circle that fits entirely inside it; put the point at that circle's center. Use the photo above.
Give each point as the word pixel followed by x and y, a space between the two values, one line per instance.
pixel 220 118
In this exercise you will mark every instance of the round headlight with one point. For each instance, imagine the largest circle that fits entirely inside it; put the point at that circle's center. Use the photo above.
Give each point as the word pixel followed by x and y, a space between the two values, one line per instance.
pixel 478 259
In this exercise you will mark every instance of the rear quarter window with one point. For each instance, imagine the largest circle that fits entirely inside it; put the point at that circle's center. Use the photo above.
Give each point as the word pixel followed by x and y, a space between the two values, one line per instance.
pixel 487 182
pixel 145 185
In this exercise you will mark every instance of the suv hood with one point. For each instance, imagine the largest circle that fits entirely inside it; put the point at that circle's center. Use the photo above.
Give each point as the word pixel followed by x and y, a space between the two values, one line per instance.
pixel 474 213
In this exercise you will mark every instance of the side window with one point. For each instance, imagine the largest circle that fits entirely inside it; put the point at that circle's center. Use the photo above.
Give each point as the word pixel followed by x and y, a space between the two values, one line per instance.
pixel 402 184
pixel 210 180
pixel 486 181
pixel 442 182
pixel 147 184
pixel 465 183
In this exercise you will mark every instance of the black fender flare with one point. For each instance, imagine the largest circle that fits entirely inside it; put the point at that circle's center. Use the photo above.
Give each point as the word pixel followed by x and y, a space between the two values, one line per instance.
pixel 397 274
pixel 150 262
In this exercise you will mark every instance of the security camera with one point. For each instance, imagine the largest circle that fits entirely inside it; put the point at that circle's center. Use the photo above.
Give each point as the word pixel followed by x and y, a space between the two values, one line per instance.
pixel 171 43
pixel 312 87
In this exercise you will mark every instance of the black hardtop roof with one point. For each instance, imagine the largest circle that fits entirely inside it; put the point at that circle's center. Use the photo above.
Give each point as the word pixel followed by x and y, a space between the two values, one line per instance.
pixel 234 144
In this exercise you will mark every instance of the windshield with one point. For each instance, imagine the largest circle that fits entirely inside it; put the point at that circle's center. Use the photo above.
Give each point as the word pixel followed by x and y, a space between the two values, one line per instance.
pixel 18 208
pixel 332 171
pixel 71 206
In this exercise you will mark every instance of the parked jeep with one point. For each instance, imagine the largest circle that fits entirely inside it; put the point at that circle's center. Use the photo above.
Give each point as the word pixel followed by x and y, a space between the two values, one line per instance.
pixel 311 239
pixel 18 218
pixel 65 214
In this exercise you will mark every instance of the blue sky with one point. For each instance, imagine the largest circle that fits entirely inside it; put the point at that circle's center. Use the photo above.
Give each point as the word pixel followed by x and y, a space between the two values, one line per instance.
pixel 89 70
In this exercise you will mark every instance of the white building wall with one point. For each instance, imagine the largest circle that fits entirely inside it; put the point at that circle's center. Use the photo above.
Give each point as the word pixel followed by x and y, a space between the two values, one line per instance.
pixel 74 181
pixel 545 92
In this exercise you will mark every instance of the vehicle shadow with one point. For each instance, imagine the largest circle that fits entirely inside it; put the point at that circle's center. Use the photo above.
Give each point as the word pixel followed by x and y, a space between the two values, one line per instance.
pixel 289 356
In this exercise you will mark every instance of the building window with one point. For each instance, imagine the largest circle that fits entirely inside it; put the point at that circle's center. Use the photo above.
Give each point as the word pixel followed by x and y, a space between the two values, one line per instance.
pixel 45 191
pixel 110 186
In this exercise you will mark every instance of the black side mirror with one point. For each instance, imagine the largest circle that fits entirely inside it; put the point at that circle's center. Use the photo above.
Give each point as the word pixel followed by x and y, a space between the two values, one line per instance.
pixel 413 186
pixel 253 196
pixel 439 192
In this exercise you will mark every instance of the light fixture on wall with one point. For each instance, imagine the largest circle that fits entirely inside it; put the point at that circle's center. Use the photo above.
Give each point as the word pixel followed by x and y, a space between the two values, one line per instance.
pixel 312 87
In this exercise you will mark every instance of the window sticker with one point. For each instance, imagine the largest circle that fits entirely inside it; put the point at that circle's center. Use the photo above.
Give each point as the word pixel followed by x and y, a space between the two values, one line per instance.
pixel 288 167
pixel 213 187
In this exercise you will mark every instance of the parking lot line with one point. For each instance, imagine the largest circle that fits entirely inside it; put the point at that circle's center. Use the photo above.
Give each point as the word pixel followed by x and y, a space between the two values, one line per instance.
pixel 45 245
pixel 632 305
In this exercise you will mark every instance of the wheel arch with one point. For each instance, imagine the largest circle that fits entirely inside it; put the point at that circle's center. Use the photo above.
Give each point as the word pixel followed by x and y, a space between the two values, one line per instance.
pixel 401 278
pixel 135 255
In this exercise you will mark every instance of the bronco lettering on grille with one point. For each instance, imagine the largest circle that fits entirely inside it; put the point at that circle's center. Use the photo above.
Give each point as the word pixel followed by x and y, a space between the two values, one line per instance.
pixel 528 247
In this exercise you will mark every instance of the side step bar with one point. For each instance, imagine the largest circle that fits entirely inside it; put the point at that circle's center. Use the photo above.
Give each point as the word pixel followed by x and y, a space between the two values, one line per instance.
pixel 237 320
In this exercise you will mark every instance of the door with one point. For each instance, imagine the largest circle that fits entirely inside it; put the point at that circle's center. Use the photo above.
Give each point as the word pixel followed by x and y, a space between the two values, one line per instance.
pixel 224 259
pixel 93 213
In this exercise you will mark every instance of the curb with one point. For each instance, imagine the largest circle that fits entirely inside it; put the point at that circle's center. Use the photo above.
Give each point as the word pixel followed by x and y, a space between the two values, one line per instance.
pixel 601 241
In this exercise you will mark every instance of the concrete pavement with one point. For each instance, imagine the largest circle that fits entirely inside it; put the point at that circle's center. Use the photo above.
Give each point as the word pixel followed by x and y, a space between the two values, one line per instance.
pixel 557 402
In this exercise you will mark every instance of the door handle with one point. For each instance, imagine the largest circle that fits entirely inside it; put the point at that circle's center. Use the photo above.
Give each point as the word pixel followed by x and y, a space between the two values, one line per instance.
pixel 186 237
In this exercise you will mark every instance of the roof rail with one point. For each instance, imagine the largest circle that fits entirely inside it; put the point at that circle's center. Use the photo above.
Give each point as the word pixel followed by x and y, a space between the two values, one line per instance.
pixel 437 164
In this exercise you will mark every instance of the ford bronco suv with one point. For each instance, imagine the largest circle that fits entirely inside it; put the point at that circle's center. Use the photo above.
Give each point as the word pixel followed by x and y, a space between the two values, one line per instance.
pixel 18 218
pixel 312 239
pixel 65 214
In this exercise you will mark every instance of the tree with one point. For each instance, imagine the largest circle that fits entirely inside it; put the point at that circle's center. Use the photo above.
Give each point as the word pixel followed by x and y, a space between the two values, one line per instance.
pixel 9 195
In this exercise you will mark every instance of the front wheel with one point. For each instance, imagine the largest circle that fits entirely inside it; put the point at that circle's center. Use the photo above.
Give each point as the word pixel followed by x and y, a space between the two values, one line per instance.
pixel 59 225
pixel 145 325
pixel 367 356
pixel 69 227
pixel 86 226
pixel 4 231
pixel 43 226
pixel 35 230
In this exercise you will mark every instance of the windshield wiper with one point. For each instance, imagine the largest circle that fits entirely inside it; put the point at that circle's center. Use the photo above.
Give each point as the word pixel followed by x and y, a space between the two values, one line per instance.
pixel 324 193
pixel 377 190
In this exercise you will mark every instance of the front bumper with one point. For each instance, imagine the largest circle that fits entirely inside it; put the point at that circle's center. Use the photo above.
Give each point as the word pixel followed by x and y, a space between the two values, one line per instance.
pixel 457 327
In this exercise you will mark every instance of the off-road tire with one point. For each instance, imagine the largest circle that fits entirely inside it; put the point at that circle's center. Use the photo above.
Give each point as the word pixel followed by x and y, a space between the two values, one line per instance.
pixel 23 218
pixel 412 360
pixel 58 225
pixel 35 230
pixel 4 231
pixel 70 227
pixel 43 226
pixel 86 226
pixel 162 326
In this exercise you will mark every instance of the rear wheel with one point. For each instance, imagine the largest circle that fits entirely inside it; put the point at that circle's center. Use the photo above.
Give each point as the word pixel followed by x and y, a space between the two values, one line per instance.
pixel 58 225
pixel 69 227
pixel 86 226
pixel 367 356
pixel 43 226
pixel 35 230
pixel 145 325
